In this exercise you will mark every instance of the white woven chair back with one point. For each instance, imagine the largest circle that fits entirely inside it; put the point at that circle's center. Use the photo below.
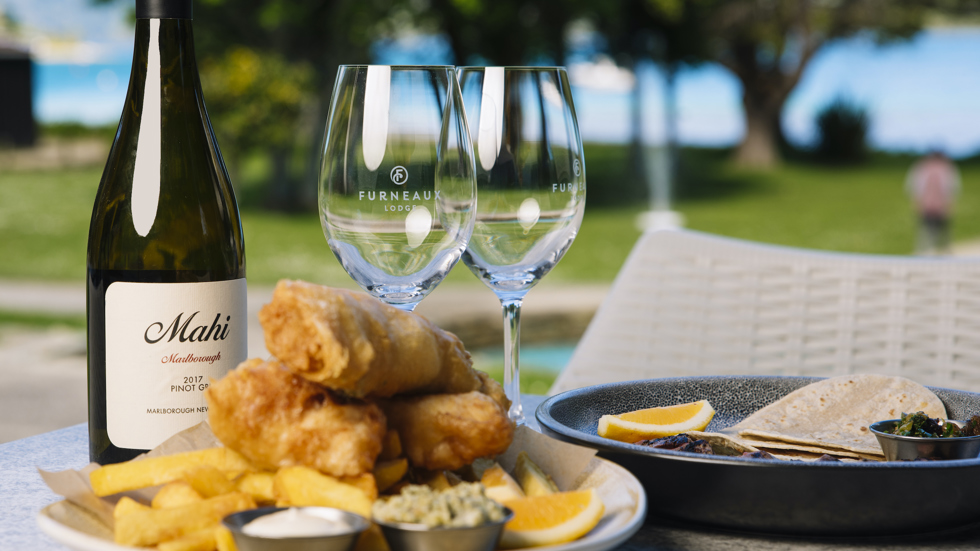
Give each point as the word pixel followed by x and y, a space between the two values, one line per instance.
pixel 687 303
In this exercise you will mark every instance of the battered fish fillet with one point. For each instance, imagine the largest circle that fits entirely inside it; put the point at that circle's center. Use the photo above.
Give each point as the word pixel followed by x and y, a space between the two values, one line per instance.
pixel 493 389
pixel 448 431
pixel 354 343
pixel 276 419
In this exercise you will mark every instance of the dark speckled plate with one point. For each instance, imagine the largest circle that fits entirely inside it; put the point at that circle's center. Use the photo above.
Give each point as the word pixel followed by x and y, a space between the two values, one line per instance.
pixel 783 497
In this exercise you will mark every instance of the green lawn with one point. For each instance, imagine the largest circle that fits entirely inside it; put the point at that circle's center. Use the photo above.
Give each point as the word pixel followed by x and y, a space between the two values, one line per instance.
pixel 41 320
pixel 44 218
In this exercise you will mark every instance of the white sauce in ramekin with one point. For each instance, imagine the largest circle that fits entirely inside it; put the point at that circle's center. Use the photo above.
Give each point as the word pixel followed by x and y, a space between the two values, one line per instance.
pixel 294 523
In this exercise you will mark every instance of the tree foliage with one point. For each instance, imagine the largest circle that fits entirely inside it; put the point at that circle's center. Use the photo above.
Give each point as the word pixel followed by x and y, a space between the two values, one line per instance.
pixel 260 96
pixel 766 44
pixel 290 50
pixel 842 132
pixel 505 32
pixel 269 65
pixel 667 31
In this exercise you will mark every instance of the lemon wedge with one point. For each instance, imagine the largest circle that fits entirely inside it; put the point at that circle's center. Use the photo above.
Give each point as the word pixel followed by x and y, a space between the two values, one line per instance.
pixel 551 519
pixel 650 423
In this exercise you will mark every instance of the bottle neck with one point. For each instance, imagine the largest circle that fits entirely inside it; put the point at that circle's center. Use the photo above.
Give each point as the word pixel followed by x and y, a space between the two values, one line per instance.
pixel 164 57
pixel 164 9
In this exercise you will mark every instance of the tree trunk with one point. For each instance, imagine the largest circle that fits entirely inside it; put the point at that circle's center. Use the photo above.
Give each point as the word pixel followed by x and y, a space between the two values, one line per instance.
pixel 282 193
pixel 760 145
pixel 670 127
pixel 638 167
pixel 311 185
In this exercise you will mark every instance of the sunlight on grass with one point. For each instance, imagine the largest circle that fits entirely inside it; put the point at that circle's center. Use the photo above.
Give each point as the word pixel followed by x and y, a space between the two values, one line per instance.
pixel 532 381
pixel 44 218
pixel 40 320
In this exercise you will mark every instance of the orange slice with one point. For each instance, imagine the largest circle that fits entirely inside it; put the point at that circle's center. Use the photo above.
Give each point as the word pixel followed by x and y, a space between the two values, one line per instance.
pixel 650 423
pixel 551 519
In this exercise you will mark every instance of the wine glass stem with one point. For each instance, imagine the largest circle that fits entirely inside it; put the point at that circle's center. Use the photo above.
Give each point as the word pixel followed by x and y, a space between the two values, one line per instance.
pixel 512 357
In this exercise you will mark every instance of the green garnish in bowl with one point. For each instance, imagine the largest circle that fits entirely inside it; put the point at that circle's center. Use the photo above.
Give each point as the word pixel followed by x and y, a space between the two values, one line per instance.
pixel 920 425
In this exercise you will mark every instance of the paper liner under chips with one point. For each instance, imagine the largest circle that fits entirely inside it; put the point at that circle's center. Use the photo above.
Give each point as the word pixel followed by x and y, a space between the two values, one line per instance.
pixel 564 462
pixel 571 467
pixel 74 485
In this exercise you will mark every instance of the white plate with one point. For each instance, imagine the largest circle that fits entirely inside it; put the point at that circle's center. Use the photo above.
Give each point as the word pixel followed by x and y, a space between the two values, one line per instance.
pixel 620 491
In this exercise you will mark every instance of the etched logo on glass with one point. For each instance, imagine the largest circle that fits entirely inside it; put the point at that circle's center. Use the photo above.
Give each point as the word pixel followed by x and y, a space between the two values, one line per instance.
pixel 399 175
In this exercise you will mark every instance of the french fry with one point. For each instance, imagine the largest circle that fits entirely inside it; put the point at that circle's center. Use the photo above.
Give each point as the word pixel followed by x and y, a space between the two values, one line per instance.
pixel 499 485
pixel 125 506
pixel 200 540
pixel 532 479
pixel 208 481
pixel 257 485
pixel 372 540
pixel 150 527
pixel 387 473
pixel 434 479
pixel 391 446
pixel 120 477
pixel 175 494
pixel 301 486
pixel 366 482
pixel 224 540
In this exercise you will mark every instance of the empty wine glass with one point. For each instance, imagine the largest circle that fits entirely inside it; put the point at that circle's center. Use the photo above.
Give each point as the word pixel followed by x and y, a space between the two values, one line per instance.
pixel 397 190
pixel 531 184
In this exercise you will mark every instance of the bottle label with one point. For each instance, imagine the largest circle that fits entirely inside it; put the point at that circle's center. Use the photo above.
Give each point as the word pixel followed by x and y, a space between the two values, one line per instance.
pixel 165 342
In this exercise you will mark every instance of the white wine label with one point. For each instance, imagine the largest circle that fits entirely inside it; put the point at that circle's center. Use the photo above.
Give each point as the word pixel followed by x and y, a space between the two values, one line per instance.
pixel 164 344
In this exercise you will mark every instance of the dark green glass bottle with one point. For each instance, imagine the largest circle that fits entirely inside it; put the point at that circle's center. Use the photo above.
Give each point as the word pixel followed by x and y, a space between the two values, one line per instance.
pixel 166 257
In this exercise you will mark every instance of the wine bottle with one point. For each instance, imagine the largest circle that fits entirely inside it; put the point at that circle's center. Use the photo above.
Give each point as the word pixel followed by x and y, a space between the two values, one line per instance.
pixel 166 258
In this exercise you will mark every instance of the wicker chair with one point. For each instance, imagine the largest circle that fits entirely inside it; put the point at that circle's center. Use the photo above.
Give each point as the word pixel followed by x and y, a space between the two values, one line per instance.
pixel 688 303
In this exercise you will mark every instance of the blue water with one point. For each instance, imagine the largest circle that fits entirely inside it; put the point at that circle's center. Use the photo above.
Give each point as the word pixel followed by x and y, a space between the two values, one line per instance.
pixel 90 94
pixel 550 357
pixel 921 93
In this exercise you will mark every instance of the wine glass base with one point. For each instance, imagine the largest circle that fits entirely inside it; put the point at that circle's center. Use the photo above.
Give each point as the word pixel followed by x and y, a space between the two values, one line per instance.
pixel 405 299
pixel 516 414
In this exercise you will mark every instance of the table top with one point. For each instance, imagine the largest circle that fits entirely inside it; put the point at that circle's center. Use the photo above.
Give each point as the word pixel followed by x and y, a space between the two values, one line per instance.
pixel 24 494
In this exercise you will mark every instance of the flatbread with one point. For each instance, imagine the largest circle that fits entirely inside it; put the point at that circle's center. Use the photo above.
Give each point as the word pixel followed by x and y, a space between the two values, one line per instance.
pixel 770 445
pixel 834 414
pixel 807 457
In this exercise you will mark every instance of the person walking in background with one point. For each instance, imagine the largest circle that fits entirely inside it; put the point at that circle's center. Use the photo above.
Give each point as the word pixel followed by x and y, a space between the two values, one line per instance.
pixel 933 183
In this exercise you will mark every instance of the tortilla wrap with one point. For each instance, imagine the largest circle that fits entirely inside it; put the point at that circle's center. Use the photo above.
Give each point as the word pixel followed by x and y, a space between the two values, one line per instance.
pixel 835 413
pixel 781 447
pixel 807 457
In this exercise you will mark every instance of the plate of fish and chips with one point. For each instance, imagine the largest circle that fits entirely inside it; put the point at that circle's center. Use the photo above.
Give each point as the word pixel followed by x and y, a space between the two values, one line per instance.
pixel 824 474
pixel 359 402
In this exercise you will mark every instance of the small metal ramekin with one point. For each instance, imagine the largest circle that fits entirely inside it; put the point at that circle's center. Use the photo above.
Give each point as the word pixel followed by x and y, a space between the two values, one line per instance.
pixel 340 542
pixel 906 448
pixel 419 537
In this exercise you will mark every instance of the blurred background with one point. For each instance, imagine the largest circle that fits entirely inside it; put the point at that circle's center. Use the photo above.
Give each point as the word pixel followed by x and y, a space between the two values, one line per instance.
pixel 792 122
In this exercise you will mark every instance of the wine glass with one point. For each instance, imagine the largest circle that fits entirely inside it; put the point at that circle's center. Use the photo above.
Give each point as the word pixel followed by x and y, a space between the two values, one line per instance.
pixel 531 183
pixel 397 188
